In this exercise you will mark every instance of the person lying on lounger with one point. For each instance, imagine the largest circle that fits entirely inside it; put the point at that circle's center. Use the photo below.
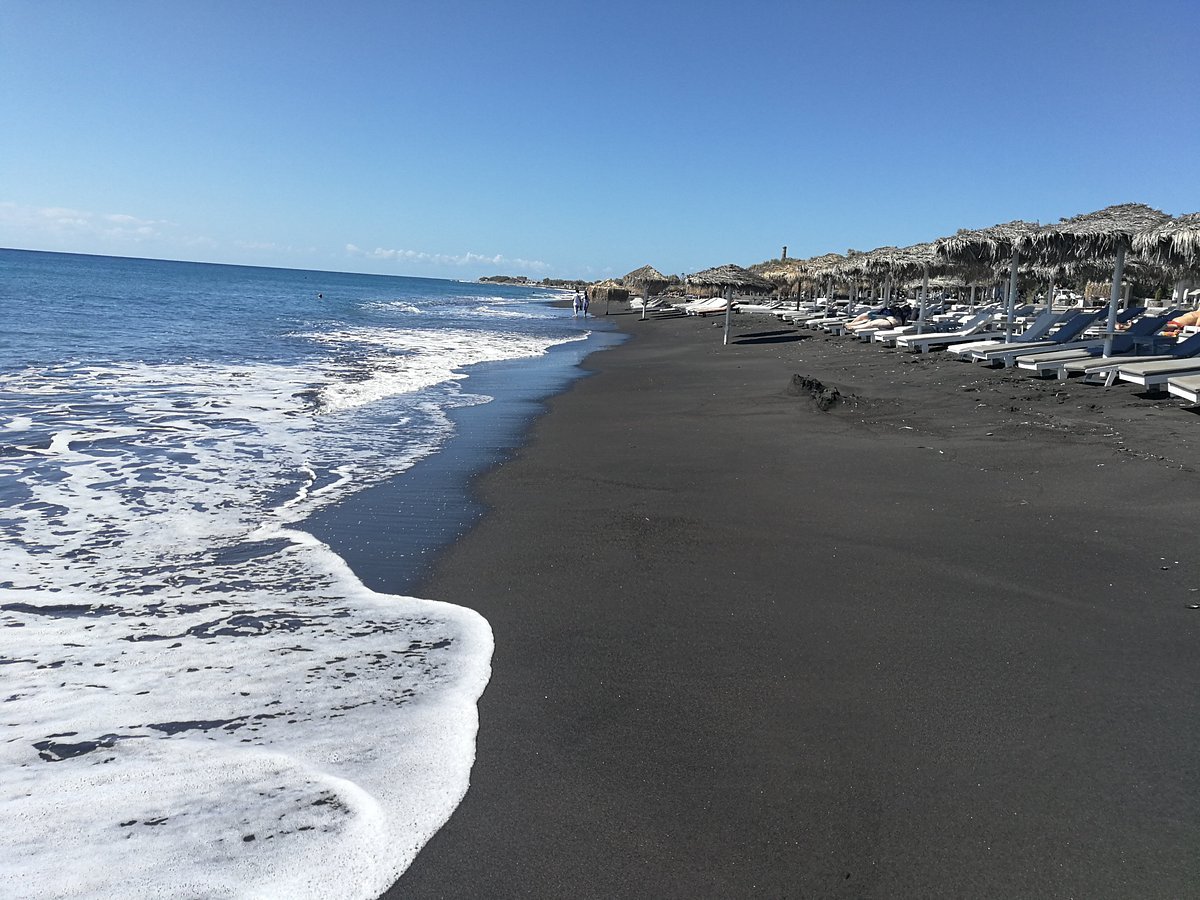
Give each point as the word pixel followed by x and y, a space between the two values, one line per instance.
pixel 888 317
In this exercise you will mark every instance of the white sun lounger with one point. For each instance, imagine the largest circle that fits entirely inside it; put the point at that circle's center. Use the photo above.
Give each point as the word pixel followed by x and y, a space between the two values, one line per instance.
pixel 1066 338
pixel 1185 386
pixel 1154 375
pixel 1053 362
pixel 1098 371
pixel 1037 330
pixel 973 329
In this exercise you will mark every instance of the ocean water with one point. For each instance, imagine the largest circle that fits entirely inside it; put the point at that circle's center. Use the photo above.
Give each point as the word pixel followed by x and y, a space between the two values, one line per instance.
pixel 199 697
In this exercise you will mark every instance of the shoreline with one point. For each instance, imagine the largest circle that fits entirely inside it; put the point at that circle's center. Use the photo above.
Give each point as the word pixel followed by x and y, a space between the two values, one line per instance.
pixel 935 639
pixel 390 533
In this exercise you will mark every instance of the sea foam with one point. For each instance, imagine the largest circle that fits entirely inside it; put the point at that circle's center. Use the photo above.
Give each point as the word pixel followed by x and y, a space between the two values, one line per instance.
pixel 201 699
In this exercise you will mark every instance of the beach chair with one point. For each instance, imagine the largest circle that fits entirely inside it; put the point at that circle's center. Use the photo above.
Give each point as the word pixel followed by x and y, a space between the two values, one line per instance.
pixel 1036 331
pixel 1153 376
pixel 1065 338
pixel 1186 387
pixel 972 329
pixel 1124 344
pixel 1098 371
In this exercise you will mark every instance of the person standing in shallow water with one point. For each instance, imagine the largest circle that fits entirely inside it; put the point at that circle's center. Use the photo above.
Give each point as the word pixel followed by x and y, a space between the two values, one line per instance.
pixel 578 305
pixel 585 303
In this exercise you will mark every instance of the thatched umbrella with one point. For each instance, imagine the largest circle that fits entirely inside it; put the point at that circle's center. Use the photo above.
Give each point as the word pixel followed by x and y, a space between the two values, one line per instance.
pixel 823 267
pixel 1106 233
pixel 973 250
pixel 720 279
pixel 648 280
pixel 1174 245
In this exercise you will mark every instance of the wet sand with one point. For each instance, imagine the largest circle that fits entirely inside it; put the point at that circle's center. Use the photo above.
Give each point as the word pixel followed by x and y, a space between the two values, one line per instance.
pixel 931 639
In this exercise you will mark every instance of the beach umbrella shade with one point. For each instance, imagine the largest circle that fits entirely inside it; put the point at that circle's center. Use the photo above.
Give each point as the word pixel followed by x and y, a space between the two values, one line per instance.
pixel 1104 234
pixel 971 250
pixel 728 277
pixel 1173 244
pixel 648 281
pixel 907 262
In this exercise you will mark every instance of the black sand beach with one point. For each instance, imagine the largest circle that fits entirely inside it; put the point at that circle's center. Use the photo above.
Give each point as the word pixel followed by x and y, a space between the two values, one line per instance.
pixel 933 640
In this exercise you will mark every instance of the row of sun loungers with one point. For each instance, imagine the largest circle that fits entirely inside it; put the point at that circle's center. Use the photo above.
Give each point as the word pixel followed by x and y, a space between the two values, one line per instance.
pixel 1055 344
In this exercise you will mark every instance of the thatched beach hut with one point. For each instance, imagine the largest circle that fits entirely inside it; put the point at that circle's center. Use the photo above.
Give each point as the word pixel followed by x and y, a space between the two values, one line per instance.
pixel 647 281
pixel 607 291
pixel 716 281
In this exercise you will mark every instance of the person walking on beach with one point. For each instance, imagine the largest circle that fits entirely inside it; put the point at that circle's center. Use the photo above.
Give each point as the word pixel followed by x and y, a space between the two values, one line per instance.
pixel 586 303
pixel 578 305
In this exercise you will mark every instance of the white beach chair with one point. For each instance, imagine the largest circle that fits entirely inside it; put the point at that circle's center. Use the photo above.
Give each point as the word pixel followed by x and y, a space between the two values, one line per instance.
pixel 1106 372
pixel 1053 362
pixel 1036 330
pixel 1186 387
pixel 1067 337
pixel 1153 376
pixel 972 329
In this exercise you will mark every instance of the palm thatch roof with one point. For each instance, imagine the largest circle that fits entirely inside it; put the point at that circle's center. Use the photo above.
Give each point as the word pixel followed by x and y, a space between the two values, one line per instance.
pixel 1093 235
pixel 983 246
pixel 647 279
pixel 1173 244
pixel 913 260
pixel 880 260
pixel 730 276
pixel 607 290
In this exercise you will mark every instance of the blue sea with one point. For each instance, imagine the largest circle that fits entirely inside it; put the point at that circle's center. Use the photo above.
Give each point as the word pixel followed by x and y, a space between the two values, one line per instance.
pixel 201 696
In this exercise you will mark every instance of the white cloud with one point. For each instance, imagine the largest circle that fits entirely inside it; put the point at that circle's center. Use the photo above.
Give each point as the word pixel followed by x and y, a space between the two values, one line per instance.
pixel 61 221
pixel 514 264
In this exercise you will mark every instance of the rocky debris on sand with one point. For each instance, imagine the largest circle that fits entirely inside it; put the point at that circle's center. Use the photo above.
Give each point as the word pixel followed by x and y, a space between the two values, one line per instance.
pixel 823 396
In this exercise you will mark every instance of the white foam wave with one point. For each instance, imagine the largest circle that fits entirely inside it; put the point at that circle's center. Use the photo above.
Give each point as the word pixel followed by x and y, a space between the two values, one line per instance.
pixel 303 743
pixel 400 306
pixel 200 699
pixel 401 360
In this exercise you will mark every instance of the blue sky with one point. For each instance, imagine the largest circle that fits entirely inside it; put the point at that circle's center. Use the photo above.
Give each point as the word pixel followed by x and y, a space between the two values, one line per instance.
pixel 579 139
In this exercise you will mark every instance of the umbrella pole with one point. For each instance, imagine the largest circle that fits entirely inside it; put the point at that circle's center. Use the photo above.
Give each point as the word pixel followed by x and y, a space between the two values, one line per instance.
pixel 1113 298
pixel 924 301
pixel 972 298
pixel 1050 295
pixel 728 312
pixel 1012 297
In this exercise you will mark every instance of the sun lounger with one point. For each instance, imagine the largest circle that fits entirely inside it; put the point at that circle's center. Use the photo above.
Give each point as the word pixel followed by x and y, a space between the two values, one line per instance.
pixel 972 329
pixel 1053 362
pixel 1065 338
pixel 1036 331
pixel 706 307
pixel 1100 371
pixel 885 334
pixel 1186 387
pixel 1154 375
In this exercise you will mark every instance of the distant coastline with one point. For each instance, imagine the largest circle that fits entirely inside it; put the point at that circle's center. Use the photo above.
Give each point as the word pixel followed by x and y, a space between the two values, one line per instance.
pixel 573 284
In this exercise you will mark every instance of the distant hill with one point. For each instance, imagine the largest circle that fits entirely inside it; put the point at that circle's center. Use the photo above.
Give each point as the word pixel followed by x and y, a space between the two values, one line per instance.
pixel 772 269
pixel 505 279
pixel 575 284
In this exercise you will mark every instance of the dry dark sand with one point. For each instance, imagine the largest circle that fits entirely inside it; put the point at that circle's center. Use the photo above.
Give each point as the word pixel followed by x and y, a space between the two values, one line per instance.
pixel 935 640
